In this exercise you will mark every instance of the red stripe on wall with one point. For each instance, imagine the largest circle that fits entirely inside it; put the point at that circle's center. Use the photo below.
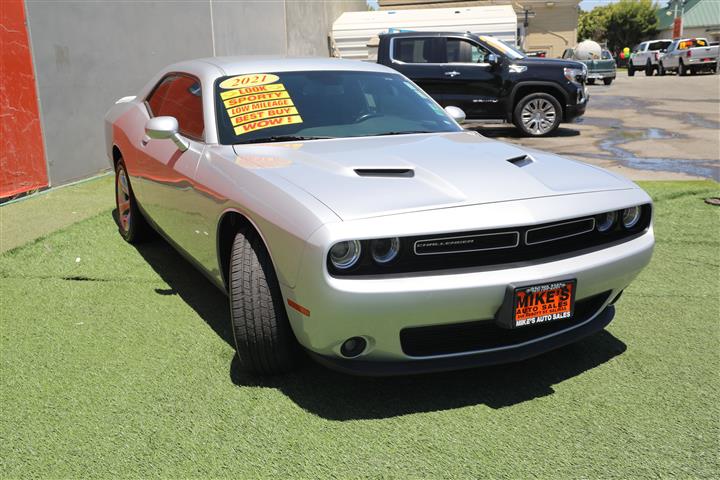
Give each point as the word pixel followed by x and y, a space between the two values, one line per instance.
pixel 22 156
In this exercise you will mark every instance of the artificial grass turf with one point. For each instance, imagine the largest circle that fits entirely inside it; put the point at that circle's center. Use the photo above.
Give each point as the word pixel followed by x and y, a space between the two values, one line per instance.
pixel 120 364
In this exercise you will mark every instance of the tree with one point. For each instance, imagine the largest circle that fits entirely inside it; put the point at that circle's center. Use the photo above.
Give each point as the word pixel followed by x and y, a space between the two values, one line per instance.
pixel 630 22
pixel 592 25
pixel 622 24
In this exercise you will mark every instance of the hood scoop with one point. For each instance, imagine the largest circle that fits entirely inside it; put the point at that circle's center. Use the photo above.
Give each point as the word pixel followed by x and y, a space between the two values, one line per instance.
pixel 385 172
pixel 521 161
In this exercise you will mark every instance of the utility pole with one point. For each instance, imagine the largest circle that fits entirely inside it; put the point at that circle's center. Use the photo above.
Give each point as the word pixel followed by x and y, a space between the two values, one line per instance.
pixel 678 21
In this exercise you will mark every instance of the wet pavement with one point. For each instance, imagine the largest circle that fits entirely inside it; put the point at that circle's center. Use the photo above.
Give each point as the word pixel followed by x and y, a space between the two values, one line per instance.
pixel 642 127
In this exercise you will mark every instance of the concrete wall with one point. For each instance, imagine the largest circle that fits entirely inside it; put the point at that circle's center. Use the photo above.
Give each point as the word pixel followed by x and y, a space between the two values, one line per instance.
pixel 88 54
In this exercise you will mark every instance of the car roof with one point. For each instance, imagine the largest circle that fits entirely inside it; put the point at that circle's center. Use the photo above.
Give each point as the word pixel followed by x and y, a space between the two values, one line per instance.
pixel 427 34
pixel 240 65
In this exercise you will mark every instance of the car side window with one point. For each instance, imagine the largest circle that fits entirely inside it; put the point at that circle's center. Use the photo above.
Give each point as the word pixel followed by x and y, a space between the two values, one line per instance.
pixel 179 96
pixel 567 53
pixel 414 50
pixel 459 50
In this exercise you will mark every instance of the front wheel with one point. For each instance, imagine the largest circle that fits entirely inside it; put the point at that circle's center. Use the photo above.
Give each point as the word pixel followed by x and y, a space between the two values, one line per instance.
pixel 264 340
pixel 537 114
pixel 131 223
pixel 649 69
pixel 591 81
pixel 631 70
pixel 607 81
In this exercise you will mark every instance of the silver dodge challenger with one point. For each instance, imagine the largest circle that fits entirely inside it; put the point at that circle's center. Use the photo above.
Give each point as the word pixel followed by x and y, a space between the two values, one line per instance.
pixel 347 215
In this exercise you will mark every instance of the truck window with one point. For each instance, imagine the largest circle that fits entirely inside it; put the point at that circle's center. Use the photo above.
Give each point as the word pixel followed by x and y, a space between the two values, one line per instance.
pixel 661 45
pixel 459 50
pixel 568 53
pixel 414 50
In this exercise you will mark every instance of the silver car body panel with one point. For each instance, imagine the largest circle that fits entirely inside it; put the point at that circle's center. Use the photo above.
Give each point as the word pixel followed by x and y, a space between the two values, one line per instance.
pixel 302 197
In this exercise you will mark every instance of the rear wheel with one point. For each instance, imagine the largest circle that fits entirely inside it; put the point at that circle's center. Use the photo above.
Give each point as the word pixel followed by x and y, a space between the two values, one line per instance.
pixel 681 68
pixel 648 69
pixel 131 223
pixel 264 340
pixel 591 81
pixel 537 114
pixel 607 81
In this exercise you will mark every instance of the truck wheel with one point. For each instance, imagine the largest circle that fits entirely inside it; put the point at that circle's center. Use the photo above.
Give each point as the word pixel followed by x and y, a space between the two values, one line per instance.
pixel 681 68
pixel 264 340
pixel 648 69
pixel 661 69
pixel 607 81
pixel 631 70
pixel 591 81
pixel 131 223
pixel 537 114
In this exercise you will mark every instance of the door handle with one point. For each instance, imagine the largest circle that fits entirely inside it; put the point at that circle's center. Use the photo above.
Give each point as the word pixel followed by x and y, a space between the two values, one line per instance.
pixel 452 73
pixel 145 140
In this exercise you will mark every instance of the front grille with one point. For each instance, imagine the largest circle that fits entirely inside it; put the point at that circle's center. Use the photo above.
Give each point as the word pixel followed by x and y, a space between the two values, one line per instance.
pixel 486 334
pixel 493 248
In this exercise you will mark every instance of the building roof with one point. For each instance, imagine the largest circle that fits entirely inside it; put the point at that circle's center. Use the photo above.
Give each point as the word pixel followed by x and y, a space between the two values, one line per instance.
pixel 698 13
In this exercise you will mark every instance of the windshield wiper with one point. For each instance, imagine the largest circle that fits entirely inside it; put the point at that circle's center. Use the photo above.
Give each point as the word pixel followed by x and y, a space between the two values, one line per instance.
pixel 282 138
pixel 404 132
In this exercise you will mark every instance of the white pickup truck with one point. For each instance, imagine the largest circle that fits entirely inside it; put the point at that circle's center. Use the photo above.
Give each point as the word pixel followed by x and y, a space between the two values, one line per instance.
pixel 689 55
pixel 646 56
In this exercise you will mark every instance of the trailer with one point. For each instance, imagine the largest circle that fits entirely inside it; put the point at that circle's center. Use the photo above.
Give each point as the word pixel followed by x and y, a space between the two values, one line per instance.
pixel 355 34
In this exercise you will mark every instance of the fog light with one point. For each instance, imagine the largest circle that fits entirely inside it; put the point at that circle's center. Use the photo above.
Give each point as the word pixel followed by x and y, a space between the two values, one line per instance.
pixel 352 347
pixel 605 221
pixel 344 255
pixel 385 250
pixel 631 217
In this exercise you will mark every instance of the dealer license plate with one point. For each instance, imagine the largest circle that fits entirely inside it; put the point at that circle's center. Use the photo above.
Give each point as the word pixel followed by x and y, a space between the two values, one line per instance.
pixel 544 303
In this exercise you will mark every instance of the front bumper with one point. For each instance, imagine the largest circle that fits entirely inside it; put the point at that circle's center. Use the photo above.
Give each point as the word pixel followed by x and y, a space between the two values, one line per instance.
pixel 577 109
pixel 379 308
pixel 471 360
pixel 601 75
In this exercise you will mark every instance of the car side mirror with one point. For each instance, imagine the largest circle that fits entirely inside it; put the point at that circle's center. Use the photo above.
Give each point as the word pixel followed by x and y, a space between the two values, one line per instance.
pixel 161 128
pixel 492 59
pixel 456 113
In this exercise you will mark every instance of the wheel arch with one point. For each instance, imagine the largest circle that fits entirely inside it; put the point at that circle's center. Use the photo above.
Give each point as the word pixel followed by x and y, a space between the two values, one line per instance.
pixel 116 156
pixel 230 221
pixel 525 88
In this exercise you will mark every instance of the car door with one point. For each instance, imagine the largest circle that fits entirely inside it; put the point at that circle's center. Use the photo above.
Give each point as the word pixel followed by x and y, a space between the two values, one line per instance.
pixel 469 81
pixel 168 172
pixel 419 59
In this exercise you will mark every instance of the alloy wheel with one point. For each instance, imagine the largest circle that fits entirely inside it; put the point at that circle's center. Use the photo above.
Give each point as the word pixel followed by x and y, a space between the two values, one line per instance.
pixel 538 116
pixel 122 197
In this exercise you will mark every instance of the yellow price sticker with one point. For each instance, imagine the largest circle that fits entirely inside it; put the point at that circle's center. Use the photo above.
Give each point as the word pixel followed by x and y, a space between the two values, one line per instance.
pixel 255 97
pixel 249 80
pixel 273 87
pixel 267 123
pixel 273 112
pixel 254 107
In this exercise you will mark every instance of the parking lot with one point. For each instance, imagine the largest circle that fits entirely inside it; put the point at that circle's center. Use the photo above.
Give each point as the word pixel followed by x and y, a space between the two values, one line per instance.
pixel 646 128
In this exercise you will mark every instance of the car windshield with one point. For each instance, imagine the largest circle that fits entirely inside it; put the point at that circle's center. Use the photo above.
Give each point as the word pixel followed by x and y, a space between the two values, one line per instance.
pixel 606 55
pixel 510 52
pixel 279 106
pixel 661 45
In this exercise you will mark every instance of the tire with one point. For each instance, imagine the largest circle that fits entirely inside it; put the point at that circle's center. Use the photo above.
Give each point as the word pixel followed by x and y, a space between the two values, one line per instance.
pixel 264 340
pixel 591 81
pixel 692 71
pixel 130 221
pixel 608 81
pixel 648 69
pixel 539 109
pixel 631 70
pixel 681 68
pixel 661 70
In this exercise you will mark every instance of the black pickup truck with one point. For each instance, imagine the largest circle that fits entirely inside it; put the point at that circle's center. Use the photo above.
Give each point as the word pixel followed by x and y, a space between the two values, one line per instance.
pixel 488 79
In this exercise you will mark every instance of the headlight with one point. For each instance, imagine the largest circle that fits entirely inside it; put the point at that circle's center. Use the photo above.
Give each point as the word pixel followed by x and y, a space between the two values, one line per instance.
pixel 574 74
pixel 605 221
pixel 631 217
pixel 344 255
pixel 385 249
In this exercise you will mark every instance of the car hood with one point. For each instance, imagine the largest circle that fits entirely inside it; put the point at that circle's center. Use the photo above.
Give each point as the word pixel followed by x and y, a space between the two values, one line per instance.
pixel 549 62
pixel 375 176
